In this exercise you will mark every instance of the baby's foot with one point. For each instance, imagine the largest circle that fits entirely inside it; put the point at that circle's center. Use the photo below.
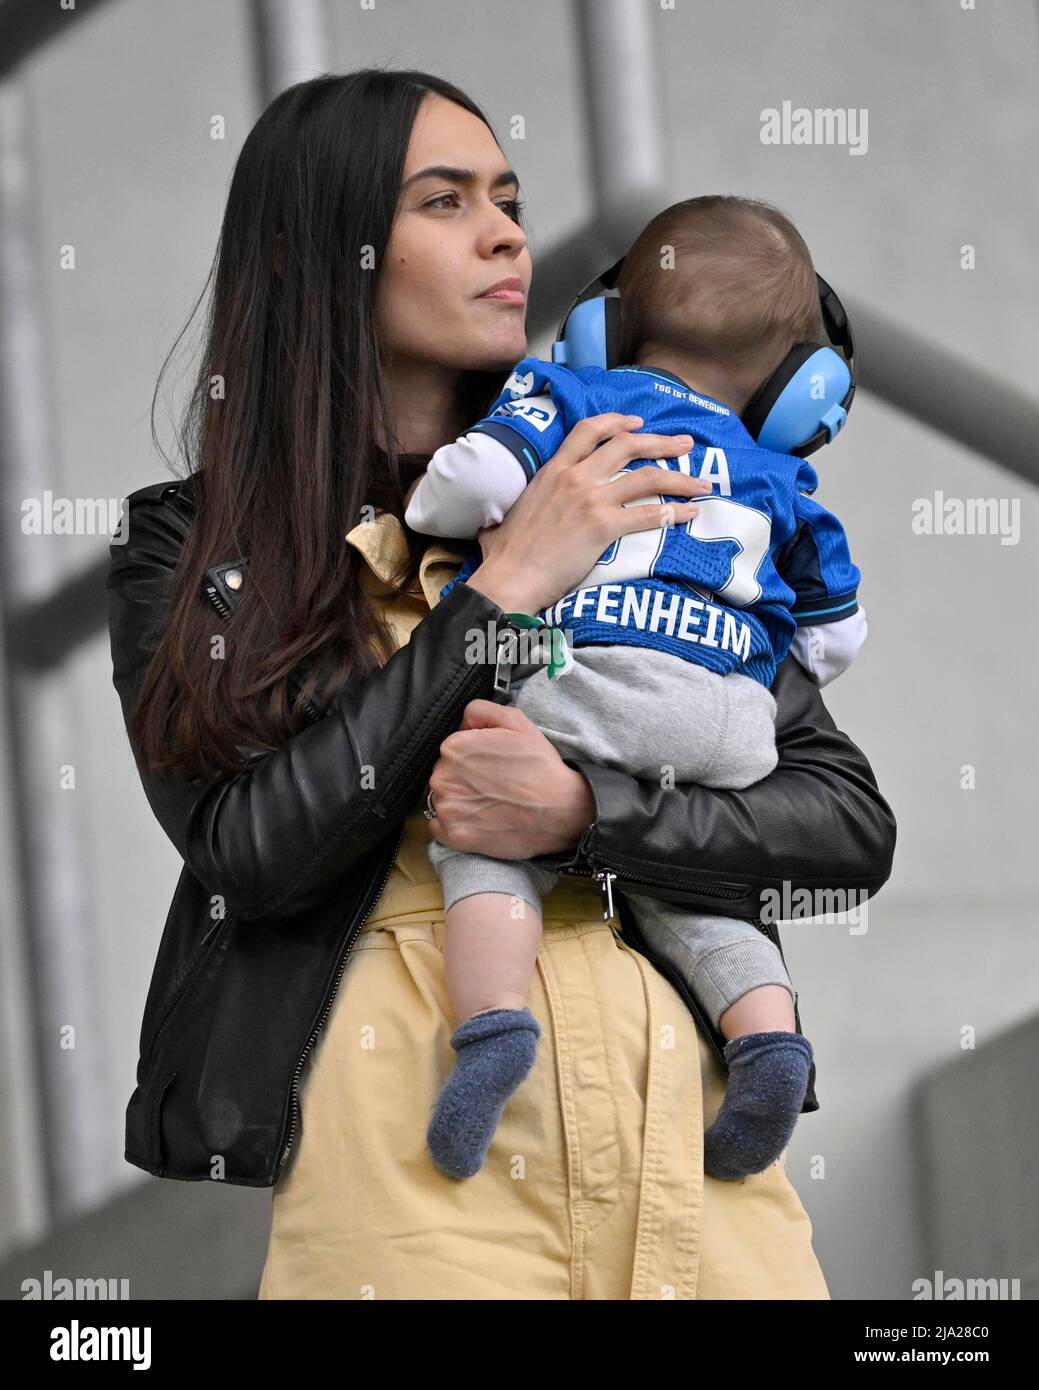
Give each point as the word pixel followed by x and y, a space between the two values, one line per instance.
pixel 768 1079
pixel 496 1050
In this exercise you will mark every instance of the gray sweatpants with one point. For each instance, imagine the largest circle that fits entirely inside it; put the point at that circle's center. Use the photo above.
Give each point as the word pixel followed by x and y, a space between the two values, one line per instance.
pixel 658 716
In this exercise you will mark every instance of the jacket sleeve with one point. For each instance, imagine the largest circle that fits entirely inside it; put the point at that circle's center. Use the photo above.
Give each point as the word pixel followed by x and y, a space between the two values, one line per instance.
pixel 274 838
pixel 817 821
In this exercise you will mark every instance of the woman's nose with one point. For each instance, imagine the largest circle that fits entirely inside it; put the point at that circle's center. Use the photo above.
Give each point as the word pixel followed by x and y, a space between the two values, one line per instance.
pixel 503 233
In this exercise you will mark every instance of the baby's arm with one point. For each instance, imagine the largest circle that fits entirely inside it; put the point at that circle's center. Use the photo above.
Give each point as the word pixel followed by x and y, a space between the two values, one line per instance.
pixel 827 649
pixel 817 565
pixel 467 485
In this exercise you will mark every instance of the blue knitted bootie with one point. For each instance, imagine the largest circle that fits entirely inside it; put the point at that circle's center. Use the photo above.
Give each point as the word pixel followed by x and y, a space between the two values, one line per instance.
pixel 495 1050
pixel 768 1080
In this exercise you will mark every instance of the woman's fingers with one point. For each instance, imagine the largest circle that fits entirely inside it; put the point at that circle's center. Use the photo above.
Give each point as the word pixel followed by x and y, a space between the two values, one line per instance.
pixel 503 789
pixel 628 489
pixel 622 448
pixel 588 434
pixel 606 465
pixel 643 482
pixel 653 515
pixel 574 507
pixel 485 714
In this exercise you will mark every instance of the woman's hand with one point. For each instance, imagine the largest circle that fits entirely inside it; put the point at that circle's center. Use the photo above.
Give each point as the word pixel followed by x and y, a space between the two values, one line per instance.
pixel 574 508
pixel 500 788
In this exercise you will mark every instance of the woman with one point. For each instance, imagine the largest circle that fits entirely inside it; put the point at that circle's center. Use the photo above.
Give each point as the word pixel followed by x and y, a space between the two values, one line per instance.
pixel 352 334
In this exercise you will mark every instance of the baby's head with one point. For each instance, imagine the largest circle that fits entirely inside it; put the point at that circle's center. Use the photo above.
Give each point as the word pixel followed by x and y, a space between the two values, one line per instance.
pixel 718 289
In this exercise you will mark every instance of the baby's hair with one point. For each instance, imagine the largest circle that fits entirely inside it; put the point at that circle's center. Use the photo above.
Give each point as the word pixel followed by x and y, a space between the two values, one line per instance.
pixel 724 278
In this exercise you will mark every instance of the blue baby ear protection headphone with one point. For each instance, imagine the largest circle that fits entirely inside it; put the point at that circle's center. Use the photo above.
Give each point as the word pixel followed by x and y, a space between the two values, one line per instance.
pixel 803 404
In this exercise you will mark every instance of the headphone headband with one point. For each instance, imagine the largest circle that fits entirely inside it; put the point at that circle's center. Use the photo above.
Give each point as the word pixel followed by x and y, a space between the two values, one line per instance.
pixel 835 318
pixel 803 404
pixel 606 281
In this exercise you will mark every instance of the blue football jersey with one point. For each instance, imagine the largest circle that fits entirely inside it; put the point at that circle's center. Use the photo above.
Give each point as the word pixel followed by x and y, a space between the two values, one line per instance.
pixel 726 589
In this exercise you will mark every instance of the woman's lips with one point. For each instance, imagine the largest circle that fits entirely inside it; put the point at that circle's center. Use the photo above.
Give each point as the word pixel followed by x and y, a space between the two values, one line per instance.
pixel 511 292
pixel 506 296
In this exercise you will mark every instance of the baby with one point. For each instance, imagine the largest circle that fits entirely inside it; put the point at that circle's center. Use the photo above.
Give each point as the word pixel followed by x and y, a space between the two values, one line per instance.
pixel 674 638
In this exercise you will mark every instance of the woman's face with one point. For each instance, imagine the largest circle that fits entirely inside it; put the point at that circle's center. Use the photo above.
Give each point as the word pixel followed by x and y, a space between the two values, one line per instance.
pixel 454 237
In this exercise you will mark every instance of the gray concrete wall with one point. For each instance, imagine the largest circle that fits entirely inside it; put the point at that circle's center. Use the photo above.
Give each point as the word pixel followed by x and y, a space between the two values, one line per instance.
pixel 128 173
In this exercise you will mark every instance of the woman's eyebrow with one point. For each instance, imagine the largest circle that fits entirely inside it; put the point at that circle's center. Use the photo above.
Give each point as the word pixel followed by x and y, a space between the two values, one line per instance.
pixel 452 175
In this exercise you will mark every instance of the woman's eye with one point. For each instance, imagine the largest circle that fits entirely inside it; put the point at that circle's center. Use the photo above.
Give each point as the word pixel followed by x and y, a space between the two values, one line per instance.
pixel 512 207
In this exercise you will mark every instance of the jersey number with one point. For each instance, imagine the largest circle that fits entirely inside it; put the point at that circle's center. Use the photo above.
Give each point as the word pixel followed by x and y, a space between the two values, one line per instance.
pixel 719 519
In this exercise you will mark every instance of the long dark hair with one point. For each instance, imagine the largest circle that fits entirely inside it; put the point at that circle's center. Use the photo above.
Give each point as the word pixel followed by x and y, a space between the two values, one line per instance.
pixel 279 433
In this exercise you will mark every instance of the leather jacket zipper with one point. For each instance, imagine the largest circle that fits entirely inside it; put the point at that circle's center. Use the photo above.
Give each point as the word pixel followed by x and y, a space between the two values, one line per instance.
pixel 295 685
pixel 213 594
pixel 715 1038
pixel 442 727
pixel 629 932
pixel 605 876
pixel 629 928
pixel 354 932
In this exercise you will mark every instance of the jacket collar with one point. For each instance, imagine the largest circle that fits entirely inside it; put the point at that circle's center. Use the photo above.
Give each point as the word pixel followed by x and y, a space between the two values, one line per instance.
pixel 384 546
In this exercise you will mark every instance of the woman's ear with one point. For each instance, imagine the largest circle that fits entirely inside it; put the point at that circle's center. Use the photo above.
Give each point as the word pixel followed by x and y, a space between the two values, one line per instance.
pixel 280 241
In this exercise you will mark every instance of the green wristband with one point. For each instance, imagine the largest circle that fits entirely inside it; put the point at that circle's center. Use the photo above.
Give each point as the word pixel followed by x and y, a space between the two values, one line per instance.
pixel 560 660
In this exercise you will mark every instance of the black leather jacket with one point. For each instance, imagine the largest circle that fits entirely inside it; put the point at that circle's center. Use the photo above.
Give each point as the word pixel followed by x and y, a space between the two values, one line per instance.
pixel 284 861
